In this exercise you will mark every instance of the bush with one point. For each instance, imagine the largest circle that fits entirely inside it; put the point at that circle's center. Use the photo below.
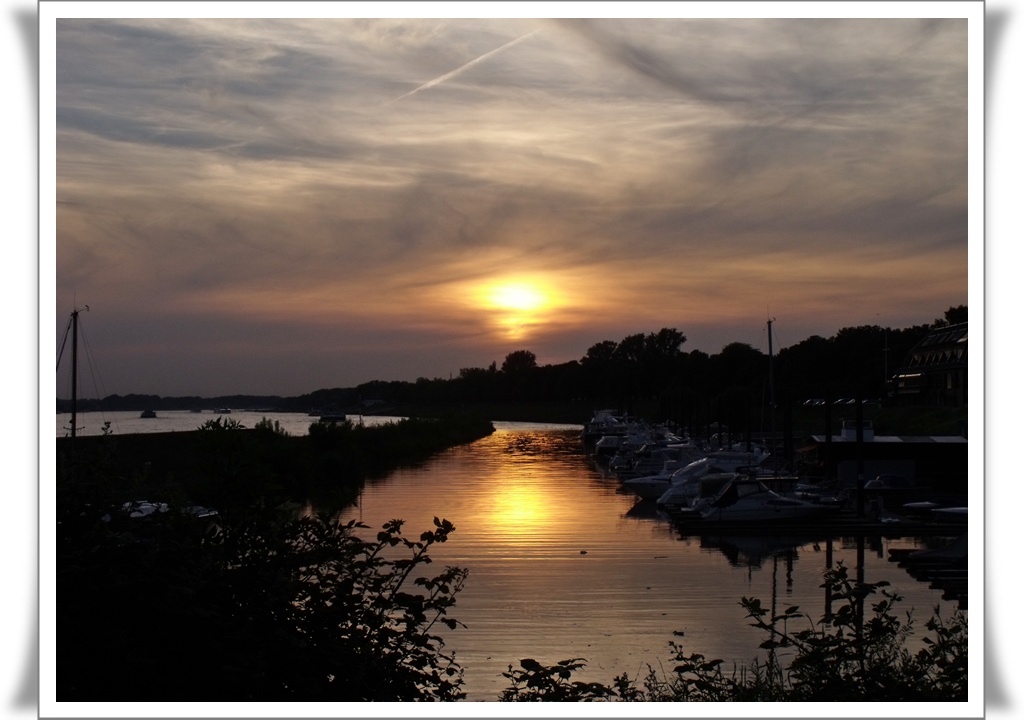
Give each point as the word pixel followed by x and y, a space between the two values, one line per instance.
pixel 540 683
pixel 171 608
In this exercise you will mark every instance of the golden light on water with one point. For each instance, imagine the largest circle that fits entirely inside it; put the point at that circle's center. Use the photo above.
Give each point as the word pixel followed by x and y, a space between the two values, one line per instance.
pixel 518 510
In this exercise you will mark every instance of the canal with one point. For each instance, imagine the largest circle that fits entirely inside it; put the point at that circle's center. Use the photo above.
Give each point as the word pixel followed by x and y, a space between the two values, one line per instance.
pixel 564 564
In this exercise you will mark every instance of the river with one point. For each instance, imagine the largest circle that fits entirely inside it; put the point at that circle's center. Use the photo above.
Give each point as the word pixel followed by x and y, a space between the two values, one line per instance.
pixel 564 564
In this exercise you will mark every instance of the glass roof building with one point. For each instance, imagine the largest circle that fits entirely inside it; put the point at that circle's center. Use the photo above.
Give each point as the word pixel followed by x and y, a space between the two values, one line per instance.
pixel 935 370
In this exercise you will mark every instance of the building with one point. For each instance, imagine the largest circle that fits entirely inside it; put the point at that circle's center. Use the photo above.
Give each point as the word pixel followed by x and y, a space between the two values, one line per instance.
pixel 935 370
pixel 935 461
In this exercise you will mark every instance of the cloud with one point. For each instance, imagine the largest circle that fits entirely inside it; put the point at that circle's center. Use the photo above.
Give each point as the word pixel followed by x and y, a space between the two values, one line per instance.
pixel 665 172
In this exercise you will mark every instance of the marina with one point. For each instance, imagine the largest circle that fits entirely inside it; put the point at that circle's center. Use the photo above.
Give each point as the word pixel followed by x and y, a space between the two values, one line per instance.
pixel 564 562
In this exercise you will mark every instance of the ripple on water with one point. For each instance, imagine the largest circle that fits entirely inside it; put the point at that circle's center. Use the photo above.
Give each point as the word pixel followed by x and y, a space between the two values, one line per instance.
pixel 562 565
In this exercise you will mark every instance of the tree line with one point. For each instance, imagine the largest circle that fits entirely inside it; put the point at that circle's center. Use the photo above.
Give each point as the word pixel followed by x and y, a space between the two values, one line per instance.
pixel 855 362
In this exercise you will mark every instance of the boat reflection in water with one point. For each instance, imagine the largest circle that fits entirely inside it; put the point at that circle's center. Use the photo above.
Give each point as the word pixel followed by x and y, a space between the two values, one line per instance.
pixel 751 551
pixel 563 564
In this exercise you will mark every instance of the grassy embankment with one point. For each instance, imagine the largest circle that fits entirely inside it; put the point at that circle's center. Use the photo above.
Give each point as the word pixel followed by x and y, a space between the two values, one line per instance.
pixel 232 468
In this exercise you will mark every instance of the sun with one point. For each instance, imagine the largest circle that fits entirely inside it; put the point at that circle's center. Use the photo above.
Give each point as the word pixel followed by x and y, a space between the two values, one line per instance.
pixel 517 296
pixel 517 306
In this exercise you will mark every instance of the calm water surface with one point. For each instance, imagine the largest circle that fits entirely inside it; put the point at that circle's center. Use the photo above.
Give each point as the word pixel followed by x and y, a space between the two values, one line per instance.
pixel 562 564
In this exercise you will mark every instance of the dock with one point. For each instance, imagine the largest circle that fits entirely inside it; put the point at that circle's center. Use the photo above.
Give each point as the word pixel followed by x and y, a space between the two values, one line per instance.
pixel 842 522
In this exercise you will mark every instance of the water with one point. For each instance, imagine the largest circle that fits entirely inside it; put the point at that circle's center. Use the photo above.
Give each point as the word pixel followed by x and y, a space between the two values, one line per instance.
pixel 563 564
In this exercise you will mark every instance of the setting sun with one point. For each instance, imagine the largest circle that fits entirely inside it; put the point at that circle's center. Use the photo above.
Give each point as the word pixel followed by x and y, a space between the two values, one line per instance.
pixel 516 305
pixel 521 297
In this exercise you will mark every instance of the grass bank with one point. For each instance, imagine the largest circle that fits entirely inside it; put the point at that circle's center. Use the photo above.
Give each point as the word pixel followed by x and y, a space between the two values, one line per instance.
pixel 232 468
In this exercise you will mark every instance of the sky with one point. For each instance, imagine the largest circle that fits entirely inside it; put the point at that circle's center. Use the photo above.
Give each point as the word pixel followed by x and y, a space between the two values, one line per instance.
pixel 273 206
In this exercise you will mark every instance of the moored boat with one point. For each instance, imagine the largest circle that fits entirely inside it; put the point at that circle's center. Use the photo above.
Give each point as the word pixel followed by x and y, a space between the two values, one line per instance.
pixel 745 501
pixel 679 490
pixel 603 422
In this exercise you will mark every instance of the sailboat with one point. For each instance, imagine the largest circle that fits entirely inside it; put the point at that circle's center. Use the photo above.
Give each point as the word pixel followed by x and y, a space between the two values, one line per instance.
pixel 72 327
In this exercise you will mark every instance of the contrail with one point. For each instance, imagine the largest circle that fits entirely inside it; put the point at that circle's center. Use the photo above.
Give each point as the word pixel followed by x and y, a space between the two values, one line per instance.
pixel 456 71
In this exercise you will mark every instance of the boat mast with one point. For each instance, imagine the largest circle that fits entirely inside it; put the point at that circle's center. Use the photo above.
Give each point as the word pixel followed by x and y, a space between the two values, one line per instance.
pixel 771 372
pixel 74 371
pixel 73 326
pixel 771 397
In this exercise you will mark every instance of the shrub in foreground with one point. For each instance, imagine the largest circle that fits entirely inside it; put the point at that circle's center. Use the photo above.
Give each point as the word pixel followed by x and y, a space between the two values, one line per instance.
pixel 172 608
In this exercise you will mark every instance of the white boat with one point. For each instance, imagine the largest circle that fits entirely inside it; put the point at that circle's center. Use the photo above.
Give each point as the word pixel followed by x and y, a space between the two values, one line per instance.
pixel 604 422
pixel 679 489
pixel 653 487
pixel 659 460
pixel 607 447
pixel 619 451
pixel 746 501
pixel 650 487
pixel 702 485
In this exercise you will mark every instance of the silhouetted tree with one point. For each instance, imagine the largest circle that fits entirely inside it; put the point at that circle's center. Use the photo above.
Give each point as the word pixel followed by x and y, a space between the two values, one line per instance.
pixel 518 361
pixel 953 316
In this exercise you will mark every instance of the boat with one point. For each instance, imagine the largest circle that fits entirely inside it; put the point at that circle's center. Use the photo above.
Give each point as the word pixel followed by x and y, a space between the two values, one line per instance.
pixel 678 490
pixel 72 328
pixel 651 487
pixel 333 417
pixel 697 490
pixel 607 447
pixel 659 461
pixel 603 422
pixel 745 501
pixel 620 452
pixel 148 414
pixel 224 411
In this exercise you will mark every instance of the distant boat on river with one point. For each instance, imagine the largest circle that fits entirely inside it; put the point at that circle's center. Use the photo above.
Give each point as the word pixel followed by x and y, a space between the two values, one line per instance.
pixel 148 414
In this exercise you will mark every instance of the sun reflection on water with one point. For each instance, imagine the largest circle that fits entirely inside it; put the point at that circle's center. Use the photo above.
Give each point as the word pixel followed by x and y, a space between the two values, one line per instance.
pixel 518 510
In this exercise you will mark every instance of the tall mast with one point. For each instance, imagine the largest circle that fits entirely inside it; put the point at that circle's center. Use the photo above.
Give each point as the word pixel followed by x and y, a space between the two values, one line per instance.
pixel 771 396
pixel 74 371
pixel 74 367
pixel 771 371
